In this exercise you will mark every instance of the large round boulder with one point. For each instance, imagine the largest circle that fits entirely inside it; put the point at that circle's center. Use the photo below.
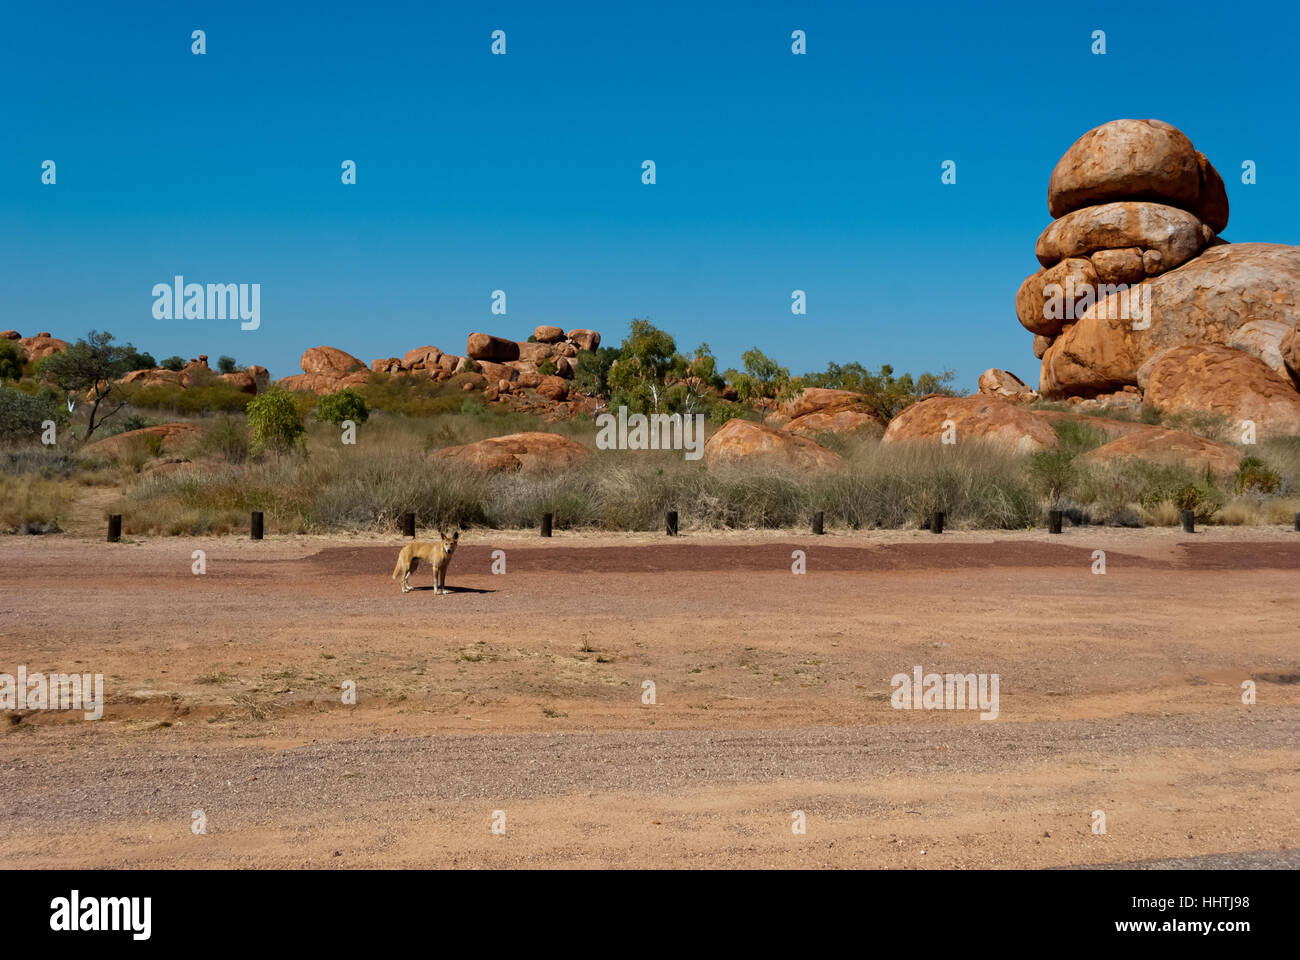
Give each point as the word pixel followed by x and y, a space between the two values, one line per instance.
pixel 421 358
pixel 170 438
pixel 553 388
pixel 584 339
pixel 482 346
pixel 1137 160
pixel 331 362
pixel 1168 446
pixel 991 419
pixel 744 442
pixel 528 452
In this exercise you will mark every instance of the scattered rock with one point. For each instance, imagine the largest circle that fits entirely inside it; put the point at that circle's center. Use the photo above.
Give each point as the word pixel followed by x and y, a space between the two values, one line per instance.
pixel 1001 383
pixel 545 334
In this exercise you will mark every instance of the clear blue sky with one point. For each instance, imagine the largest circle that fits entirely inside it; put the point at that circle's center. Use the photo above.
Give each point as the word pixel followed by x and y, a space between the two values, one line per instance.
pixel 523 172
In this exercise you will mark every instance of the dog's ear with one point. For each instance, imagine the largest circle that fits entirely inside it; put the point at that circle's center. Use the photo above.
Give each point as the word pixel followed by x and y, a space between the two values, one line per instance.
pixel 455 535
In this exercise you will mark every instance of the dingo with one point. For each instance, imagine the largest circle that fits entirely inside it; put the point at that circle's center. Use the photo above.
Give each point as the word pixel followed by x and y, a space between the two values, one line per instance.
pixel 438 554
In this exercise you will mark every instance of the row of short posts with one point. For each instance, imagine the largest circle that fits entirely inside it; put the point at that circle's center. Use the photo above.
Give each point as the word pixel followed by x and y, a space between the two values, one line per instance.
pixel 934 524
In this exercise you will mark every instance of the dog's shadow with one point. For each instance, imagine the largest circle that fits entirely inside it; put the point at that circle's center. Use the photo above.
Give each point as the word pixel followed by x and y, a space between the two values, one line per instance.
pixel 415 589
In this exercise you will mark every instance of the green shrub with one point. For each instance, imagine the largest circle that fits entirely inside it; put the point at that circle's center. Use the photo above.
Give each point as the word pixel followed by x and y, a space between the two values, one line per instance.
pixel 412 395
pixel 214 396
pixel 11 360
pixel 226 439
pixel 226 365
pixel 347 404
pixel 1077 438
pixel 1052 474
pixel 547 367
pixel 173 363
pixel 21 413
pixel 1254 475
pixel 275 423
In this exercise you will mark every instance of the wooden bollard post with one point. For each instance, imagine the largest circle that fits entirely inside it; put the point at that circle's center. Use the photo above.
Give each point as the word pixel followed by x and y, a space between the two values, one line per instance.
pixel 672 523
pixel 936 522
pixel 546 524
pixel 1053 521
pixel 1189 521
pixel 818 519
pixel 255 525
pixel 115 528
pixel 408 525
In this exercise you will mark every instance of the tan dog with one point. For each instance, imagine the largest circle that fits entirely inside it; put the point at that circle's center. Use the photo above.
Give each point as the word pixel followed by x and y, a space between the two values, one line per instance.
pixel 438 554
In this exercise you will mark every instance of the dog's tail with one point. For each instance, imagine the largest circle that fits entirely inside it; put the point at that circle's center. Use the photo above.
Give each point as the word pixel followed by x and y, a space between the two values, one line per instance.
pixel 397 569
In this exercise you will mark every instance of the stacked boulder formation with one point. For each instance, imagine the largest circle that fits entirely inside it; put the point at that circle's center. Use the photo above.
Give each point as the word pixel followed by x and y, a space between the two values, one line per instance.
pixel 1138 298
pixel 531 376
pixel 196 373
pixel 33 349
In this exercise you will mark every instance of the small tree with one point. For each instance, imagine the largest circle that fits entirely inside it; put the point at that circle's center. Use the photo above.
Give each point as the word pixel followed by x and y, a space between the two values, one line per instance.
pixel 274 423
pixel 226 365
pixel 347 404
pixel 173 363
pixel 22 414
pixel 763 379
pixel 591 377
pixel 134 359
pixel 90 366
pixel 11 361
pixel 647 361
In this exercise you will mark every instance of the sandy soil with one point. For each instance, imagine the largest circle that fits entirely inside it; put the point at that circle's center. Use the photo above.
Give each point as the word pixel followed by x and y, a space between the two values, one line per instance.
pixel 522 693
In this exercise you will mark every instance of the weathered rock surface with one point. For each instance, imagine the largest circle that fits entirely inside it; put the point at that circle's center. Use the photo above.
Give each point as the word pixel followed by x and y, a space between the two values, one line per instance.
pixel 1169 446
pixel 1205 377
pixel 1205 301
